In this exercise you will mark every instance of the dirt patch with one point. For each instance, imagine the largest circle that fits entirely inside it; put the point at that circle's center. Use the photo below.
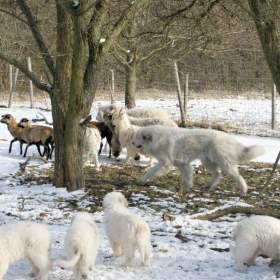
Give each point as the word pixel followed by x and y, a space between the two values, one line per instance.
pixel 161 193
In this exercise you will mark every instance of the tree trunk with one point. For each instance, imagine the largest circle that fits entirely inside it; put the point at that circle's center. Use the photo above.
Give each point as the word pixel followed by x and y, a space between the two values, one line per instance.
pixel 70 101
pixel 130 85
pixel 266 17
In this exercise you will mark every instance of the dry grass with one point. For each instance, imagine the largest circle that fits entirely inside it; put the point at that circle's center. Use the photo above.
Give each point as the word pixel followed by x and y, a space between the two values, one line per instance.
pixel 161 195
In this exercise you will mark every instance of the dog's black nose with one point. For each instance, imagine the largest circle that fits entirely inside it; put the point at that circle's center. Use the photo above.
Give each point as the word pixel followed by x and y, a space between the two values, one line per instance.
pixel 137 157
pixel 139 146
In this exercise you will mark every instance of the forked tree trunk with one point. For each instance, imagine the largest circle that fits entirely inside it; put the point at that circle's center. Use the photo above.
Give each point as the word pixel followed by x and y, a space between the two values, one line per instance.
pixel 130 85
pixel 266 17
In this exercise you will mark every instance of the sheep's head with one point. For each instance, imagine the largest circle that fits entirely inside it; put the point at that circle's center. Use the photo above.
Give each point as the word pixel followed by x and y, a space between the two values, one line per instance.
pixel 117 116
pixel 7 119
pixel 24 123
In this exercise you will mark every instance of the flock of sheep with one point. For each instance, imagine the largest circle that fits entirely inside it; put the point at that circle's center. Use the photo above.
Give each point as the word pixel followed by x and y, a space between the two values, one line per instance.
pixel 142 132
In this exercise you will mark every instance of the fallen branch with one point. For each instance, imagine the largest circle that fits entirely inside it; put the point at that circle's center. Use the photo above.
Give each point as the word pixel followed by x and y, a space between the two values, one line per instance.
pixel 236 210
pixel 23 165
pixel 43 119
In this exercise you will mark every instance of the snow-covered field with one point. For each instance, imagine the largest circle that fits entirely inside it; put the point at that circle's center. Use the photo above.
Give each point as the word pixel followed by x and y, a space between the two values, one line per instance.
pixel 173 259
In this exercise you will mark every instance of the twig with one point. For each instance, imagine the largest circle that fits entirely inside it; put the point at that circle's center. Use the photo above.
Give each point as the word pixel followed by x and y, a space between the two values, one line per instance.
pixel 272 172
pixel 23 165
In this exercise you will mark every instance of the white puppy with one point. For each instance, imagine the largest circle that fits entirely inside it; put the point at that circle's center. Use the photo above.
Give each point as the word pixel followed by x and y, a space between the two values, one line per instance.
pixel 255 236
pixel 126 231
pixel 81 245
pixel 25 240
pixel 178 147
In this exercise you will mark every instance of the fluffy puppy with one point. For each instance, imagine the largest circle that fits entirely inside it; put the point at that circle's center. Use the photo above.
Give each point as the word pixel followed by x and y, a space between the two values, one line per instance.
pixel 218 151
pixel 255 236
pixel 81 244
pixel 126 231
pixel 25 240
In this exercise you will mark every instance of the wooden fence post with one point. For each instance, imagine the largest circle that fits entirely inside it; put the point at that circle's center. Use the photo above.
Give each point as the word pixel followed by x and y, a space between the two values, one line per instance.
pixel 186 93
pixel 13 83
pixel 112 88
pixel 179 95
pixel 273 106
pixel 30 83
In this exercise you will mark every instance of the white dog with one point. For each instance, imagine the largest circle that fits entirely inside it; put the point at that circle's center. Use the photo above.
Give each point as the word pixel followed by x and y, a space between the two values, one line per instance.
pixel 126 231
pixel 178 147
pixel 81 245
pixel 25 240
pixel 255 236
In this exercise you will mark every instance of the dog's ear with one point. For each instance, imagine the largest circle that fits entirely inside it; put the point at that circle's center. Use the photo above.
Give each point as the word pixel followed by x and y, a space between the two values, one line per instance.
pixel 147 137
pixel 123 201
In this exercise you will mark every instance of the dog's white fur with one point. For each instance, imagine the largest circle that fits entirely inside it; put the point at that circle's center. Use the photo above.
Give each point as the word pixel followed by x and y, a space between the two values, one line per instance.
pixel 92 141
pixel 25 240
pixel 178 147
pixel 255 236
pixel 81 245
pixel 126 231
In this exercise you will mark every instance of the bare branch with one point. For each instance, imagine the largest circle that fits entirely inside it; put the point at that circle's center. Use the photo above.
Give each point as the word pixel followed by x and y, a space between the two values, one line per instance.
pixel 13 15
pixel 181 11
pixel 40 85
pixel 121 23
pixel 155 51
pixel 37 35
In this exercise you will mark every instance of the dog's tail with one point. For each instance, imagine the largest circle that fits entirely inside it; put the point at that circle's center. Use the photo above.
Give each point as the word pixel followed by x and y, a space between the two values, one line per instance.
pixel 69 263
pixel 249 153
pixel 143 237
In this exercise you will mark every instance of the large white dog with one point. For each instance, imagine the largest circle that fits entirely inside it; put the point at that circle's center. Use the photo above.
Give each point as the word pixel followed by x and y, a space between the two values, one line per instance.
pixel 81 245
pixel 178 147
pixel 126 231
pixel 255 236
pixel 25 240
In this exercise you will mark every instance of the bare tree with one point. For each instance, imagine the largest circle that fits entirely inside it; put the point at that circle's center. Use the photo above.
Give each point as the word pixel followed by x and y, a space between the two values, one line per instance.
pixel 84 35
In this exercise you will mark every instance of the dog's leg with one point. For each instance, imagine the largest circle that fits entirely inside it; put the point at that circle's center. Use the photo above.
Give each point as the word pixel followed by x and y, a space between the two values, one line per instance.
pixel 40 264
pixel 4 265
pixel 129 252
pixel 232 171
pixel 186 176
pixel 216 174
pixel 159 169
pixel 244 254
pixel 117 250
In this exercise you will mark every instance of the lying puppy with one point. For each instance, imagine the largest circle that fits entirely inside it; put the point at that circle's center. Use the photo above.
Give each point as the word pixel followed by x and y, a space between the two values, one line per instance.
pixel 81 245
pixel 255 236
pixel 25 240
pixel 178 147
pixel 126 231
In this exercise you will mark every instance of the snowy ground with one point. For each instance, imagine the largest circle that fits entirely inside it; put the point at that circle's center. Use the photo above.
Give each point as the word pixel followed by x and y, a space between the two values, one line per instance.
pixel 173 259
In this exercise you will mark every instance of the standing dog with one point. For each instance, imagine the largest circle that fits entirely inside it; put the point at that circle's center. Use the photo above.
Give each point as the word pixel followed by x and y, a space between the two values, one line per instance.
pixel 126 231
pixel 81 245
pixel 255 236
pixel 178 147
pixel 25 240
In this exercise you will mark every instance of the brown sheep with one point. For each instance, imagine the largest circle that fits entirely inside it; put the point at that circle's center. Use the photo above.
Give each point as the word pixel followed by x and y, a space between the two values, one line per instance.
pixel 38 135
pixel 15 131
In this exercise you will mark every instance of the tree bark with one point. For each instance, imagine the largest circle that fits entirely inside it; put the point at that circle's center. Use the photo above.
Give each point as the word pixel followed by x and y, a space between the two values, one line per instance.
pixel 266 17
pixel 130 85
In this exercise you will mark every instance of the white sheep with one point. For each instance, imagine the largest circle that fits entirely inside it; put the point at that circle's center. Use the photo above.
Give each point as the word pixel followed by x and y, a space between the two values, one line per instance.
pixel 92 141
pixel 125 131
pixel 152 121
pixel 150 116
